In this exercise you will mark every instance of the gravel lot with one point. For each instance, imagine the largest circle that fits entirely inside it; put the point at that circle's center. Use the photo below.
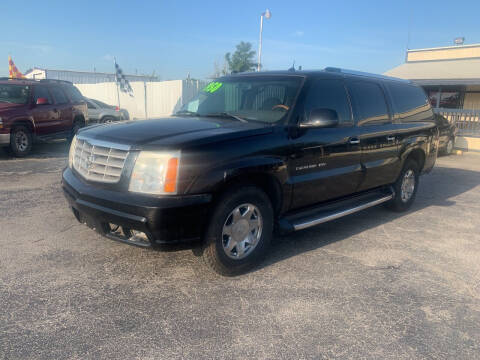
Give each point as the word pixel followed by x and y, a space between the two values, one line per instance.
pixel 372 285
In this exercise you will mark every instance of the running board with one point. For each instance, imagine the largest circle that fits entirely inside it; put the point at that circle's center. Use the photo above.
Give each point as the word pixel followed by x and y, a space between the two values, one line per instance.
pixel 334 210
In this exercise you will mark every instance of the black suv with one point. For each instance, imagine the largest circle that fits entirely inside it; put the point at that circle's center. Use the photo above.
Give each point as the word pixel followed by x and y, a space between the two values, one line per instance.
pixel 254 153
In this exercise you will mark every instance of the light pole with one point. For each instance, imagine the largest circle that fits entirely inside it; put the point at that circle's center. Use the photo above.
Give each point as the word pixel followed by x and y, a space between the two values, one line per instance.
pixel 267 14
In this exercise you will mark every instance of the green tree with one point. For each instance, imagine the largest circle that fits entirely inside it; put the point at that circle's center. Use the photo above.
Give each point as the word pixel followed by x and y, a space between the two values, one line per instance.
pixel 242 59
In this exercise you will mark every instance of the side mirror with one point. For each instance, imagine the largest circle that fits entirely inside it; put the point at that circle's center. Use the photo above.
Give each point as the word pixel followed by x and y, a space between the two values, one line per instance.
pixel 321 118
pixel 42 101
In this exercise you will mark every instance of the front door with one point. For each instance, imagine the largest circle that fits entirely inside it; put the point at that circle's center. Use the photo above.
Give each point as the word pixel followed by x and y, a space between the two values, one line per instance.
pixel 377 134
pixel 45 116
pixel 325 163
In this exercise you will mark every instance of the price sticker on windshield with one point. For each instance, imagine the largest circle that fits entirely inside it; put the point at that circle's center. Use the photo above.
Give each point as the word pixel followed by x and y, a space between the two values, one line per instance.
pixel 212 87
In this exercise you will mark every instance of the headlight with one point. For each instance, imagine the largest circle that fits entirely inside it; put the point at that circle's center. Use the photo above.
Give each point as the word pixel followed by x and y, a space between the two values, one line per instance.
pixel 71 153
pixel 155 173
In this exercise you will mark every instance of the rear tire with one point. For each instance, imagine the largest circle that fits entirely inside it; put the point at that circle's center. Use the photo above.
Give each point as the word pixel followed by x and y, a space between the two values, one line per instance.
pixel 405 187
pixel 21 141
pixel 239 232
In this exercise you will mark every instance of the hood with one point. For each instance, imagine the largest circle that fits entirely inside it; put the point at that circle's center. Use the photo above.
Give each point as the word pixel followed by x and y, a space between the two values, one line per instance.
pixel 4 106
pixel 173 131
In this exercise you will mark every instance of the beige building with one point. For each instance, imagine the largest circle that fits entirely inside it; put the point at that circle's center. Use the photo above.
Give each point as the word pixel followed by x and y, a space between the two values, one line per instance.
pixel 450 75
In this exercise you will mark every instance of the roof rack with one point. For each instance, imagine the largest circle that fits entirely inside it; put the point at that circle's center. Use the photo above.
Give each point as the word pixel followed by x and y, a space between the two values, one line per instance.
pixel 366 74
pixel 39 80
pixel 56 81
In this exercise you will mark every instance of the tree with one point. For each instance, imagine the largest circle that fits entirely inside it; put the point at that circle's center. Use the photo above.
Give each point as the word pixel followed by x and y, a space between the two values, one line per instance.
pixel 242 59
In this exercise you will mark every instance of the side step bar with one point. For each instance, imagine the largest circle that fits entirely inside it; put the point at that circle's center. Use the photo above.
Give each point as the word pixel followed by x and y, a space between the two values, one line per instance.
pixel 332 211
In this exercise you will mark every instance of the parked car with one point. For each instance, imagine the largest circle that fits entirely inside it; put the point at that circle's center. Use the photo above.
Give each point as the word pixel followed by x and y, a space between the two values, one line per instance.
pixel 252 153
pixel 103 113
pixel 448 131
pixel 38 110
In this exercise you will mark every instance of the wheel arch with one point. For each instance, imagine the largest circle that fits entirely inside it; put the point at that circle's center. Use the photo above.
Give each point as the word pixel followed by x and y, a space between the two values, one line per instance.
pixel 265 182
pixel 418 155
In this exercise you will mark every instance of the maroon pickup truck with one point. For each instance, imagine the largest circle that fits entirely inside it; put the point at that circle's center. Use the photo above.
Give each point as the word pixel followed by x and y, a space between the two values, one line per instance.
pixel 33 110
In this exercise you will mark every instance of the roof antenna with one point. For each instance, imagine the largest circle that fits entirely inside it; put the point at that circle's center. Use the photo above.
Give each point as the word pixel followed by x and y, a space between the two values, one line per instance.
pixel 293 67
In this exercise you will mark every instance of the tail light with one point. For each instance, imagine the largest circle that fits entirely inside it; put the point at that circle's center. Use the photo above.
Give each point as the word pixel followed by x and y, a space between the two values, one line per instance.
pixel 117 108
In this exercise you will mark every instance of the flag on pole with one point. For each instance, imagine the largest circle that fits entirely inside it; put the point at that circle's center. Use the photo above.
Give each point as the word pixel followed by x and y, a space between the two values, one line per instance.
pixel 13 72
pixel 122 81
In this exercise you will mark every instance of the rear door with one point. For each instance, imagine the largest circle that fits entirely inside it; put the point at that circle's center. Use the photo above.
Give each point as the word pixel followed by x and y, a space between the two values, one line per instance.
pixel 325 163
pixel 46 116
pixel 377 133
pixel 63 107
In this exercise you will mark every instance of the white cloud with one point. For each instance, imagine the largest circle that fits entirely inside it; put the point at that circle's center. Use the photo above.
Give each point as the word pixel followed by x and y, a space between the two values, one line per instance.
pixel 298 33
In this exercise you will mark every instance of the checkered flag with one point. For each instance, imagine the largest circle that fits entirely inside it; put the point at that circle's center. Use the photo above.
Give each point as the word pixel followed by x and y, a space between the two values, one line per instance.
pixel 122 81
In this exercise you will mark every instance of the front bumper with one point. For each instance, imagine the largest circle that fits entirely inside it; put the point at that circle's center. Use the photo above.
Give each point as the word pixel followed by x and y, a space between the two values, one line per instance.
pixel 4 139
pixel 166 219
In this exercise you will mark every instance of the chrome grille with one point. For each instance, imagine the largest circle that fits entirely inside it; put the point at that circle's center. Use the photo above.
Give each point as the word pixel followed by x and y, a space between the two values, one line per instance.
pixel 98 161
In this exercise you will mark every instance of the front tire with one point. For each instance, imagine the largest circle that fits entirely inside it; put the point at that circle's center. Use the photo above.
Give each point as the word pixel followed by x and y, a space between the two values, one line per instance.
pixel 239 232
pixel 21 141
pixel 405 187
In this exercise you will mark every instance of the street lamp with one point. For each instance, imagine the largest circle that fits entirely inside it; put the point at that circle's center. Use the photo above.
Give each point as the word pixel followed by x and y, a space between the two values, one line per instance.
pixel 267 14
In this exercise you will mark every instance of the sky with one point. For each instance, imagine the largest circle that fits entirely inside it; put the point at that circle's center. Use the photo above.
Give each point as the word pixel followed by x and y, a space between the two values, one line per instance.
pixel 175 38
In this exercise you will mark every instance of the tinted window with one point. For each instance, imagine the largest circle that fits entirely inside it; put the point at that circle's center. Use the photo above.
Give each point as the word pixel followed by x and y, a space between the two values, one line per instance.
pixel 90 105
pixel 409 101
pixel 41 92
pixel 368 103
pixel 329 94
pixel 102 104
pixel 58 95
pixel 74 94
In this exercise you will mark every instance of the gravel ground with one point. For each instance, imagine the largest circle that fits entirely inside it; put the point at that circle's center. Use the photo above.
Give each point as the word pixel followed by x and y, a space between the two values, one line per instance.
pixel 373 285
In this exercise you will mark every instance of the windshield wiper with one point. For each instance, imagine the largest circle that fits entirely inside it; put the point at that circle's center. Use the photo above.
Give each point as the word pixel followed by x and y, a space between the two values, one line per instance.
pixel 227 115
pixel 187 112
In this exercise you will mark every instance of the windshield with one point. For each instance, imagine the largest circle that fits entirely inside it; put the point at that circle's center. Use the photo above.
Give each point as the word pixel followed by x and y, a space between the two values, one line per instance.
pixel 266 99
pixel 14 94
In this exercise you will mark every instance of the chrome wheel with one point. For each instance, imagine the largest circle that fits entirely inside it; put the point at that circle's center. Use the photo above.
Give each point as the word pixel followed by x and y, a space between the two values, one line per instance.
pixel 408 185
pixel 21 141
pixel 242 231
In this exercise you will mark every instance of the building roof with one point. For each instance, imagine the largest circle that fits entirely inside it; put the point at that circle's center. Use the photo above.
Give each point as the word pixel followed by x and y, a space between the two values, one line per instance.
pixel 440 72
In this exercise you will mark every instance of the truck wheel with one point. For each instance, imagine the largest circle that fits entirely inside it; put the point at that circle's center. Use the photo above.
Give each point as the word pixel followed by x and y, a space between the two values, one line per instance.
pixel 239 232
pixel 20 141
pixel 405 187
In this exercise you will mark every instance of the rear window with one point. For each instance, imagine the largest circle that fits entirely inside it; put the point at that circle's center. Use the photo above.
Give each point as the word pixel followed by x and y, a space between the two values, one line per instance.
pixel 58 94
pixel 41 91
pixel 409 102
pixel 368 102
pixel 74 94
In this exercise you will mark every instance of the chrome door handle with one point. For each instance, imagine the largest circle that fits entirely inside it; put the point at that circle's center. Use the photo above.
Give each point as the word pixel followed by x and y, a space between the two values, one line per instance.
pixel 354 141
pixel 391 138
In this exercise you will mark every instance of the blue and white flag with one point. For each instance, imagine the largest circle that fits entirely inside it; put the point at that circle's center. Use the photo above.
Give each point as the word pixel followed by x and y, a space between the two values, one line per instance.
pixel 122 81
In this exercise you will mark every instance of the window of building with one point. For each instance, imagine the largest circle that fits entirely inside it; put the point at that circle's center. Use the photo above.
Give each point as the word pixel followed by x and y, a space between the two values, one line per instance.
pixel 451 97
pixel 368 102
pixel 329 94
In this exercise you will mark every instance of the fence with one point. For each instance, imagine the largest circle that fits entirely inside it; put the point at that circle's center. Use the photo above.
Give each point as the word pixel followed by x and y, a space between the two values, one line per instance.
pixel 150 100
pixel 467 121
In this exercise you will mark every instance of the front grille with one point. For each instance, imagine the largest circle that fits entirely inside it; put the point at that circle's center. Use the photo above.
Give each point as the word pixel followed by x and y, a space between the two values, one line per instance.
pixel 99 163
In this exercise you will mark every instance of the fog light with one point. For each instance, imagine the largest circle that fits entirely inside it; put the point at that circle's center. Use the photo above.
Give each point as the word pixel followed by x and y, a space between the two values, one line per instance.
pixel 138 236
